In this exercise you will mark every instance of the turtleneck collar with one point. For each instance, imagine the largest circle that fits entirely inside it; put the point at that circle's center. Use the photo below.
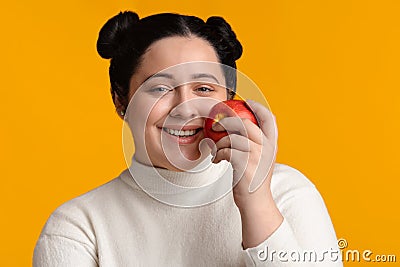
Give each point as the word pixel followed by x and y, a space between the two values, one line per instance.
pixel 201 185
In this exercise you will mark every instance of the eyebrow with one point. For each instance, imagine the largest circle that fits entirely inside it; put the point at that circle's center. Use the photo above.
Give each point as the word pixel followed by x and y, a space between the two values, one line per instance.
pixel 171 77
pixel 160 74
pixel 205 75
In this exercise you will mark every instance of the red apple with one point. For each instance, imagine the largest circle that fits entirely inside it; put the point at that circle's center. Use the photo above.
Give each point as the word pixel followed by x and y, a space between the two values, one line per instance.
pixel 227 108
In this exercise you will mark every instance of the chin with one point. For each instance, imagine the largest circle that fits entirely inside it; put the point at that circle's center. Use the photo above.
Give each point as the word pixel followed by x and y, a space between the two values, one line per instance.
pixel 178 157
pixel 191 154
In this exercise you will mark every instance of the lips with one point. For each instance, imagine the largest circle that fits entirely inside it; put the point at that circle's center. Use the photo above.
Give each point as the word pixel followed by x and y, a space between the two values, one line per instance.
pixel 183 135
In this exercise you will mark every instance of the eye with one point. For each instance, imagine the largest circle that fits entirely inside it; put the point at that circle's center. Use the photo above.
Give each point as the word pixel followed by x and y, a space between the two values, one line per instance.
pixel 204 89
pixel 160 89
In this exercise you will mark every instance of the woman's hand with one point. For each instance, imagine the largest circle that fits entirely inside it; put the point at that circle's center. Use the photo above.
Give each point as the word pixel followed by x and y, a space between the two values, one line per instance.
pixel 251 151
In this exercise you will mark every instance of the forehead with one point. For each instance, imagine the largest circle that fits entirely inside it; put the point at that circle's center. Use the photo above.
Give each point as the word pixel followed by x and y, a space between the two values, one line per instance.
pixel 175 51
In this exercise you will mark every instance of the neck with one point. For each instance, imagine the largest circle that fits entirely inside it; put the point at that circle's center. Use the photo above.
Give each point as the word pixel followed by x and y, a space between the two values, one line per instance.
pixel 201 185
pixel 180 164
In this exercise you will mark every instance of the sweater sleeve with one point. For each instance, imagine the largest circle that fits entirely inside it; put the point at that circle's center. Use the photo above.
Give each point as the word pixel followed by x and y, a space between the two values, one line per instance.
pixel 65 241
pixel 306 236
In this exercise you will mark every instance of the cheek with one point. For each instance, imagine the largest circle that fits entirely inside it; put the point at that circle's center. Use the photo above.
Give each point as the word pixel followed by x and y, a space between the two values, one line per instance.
pixel 138 115
pixel 224 95
pixel 158 113
pixel 221 94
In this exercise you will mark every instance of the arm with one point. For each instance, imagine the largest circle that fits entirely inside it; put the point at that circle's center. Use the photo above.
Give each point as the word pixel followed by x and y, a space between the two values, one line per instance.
pixel 65 242
pixel 61 251
pixel 306 231
pixel 291 227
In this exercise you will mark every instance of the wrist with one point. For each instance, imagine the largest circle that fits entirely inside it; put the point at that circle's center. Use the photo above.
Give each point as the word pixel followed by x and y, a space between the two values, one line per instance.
pixel 259 221
pixel 259 201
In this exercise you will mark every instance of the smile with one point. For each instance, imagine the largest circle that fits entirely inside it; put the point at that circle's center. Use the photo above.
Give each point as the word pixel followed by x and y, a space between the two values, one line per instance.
pixel 181 133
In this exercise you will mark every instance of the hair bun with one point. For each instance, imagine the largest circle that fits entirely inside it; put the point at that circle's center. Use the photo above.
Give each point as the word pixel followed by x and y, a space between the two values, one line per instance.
pixel 226 32
pixel 115 34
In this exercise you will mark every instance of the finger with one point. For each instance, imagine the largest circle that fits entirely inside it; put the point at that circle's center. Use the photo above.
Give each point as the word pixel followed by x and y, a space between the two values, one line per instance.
pixel 238 159
pixel 260 176
pixel 265 118
pixel 240 126
pixel 234 141
pixel 235 157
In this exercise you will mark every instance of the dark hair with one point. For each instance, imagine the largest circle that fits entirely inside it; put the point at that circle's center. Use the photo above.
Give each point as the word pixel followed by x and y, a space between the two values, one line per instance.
pixel 125 38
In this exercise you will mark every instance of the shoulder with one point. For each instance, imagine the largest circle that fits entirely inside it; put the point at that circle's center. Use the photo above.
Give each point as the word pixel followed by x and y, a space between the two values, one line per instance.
pixel 69 235
pixel 94 197
pixel 74 227
pixel 288 182
pixel 284 173
pixel 78 213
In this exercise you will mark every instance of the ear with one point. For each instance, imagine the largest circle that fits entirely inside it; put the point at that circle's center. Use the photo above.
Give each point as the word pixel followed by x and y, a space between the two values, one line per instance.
pixel 230 94
pixel 119 107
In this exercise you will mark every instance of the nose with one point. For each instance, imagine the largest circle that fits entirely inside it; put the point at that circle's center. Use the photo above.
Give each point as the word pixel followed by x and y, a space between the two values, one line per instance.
pixel 183 107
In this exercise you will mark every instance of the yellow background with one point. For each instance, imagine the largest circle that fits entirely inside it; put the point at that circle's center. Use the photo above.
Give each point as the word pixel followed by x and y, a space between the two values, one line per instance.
pixel 329 70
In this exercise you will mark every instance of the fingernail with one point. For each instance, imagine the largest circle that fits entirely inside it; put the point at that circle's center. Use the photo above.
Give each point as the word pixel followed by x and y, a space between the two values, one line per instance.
pixel 209 142
pixel 217 126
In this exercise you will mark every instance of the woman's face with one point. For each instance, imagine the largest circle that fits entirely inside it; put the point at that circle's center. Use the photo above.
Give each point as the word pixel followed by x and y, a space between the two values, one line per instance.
pixel 171 94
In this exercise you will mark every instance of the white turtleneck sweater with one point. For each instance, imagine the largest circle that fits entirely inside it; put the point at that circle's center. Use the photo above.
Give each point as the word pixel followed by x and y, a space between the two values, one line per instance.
pixel 138 220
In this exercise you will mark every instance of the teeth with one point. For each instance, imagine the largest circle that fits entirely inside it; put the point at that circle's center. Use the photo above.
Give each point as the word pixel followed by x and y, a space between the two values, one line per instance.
pixel 180 133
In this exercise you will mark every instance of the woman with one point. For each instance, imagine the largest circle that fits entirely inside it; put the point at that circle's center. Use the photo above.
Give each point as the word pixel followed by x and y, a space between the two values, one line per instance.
pixel 166 72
